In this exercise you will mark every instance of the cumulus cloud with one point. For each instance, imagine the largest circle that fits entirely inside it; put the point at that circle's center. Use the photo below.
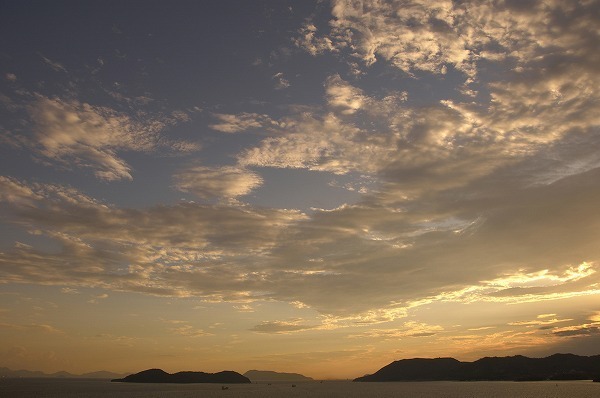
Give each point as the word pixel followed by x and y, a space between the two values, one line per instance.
pixel 220 182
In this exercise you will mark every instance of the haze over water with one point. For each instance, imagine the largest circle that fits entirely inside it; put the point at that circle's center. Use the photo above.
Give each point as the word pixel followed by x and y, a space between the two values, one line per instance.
pixel 22 388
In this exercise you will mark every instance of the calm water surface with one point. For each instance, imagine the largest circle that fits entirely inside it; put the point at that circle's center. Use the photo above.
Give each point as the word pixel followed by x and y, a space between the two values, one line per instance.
pixel 73 388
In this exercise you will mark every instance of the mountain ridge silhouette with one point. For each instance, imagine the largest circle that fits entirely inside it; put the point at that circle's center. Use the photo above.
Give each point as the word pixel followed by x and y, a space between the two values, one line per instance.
pixel 160 376
pixel 511 368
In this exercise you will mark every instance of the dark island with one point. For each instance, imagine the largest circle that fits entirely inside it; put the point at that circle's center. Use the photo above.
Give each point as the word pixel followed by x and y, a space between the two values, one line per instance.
pixel 160 376
pixel 269 375
pixel 515 368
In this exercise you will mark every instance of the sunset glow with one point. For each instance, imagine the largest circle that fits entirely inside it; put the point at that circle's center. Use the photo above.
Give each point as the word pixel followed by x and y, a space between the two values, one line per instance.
pixel 319 187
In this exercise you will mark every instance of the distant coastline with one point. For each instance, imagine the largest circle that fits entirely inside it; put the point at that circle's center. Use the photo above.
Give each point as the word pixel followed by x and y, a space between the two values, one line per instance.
pixel 22 373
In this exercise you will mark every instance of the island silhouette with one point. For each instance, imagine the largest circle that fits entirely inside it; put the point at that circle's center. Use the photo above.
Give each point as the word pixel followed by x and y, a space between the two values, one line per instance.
pixel 160 376
pixel 513 368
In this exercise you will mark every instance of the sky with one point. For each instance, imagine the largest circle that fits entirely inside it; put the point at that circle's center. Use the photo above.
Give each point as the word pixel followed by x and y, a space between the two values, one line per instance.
pixel 319 187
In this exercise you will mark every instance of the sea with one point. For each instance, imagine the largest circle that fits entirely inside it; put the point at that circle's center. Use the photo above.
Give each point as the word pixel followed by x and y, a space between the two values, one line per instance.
pixel 87 388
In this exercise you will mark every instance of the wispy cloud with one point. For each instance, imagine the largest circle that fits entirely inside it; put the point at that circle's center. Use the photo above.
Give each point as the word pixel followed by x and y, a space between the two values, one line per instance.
pixel 74 133
pixel 539 322
pixel 33 327
pixel 281 327
pixel 220 182
pixel 588 329
pixel 58 67
pixel 591 327
pixel 187 330
pixel 281 82
pixel 409 329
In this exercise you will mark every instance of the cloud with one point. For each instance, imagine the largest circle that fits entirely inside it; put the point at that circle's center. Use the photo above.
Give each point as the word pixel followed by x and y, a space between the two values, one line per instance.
pixel 503 342
pixel 411 149
pixel 58 67
pixel 33 327
pixel 311 42
pixel 488 195
pixel 124 341
pixel 591 327
pixel 581 330
pixel 427 35
pixel 409 329
pixel 481 328
pixel 220 182
pixel 96 299
pixel 343 96
pixel 526 288
pixel 539 322
pixel 212 251
pixel 359 264
pixel 189 331
pixel 244 308
pixel 470 187
pixel 66 213
pixel 230 123
pixel 281 83
pixel 280 327
pixel 311 143
pixel 76 133
pixel 538 108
